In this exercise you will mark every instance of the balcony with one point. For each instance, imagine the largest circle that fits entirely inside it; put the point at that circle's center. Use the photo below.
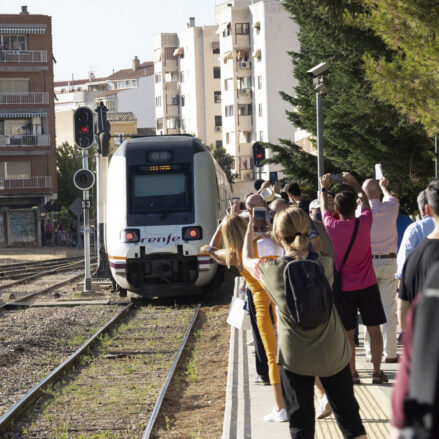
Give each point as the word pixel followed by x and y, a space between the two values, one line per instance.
pixel 245 123
pixel 14 98
pixel 23 56
pixel 25 183
pixel 25 140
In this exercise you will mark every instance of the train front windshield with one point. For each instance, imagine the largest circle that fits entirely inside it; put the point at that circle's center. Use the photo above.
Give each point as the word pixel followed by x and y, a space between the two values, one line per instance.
pixel 160 193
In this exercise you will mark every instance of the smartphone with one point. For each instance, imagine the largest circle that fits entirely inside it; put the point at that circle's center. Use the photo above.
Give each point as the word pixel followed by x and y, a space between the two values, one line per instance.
pixel 273 177
pixel 259 220
pixel 336 178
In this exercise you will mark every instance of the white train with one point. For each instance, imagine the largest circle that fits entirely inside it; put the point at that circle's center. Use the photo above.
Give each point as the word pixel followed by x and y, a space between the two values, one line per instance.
pixel 165 197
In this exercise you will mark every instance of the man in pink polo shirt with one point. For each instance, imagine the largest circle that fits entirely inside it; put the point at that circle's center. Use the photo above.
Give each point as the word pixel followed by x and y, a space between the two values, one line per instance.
pixel 384 241
pixel 358 282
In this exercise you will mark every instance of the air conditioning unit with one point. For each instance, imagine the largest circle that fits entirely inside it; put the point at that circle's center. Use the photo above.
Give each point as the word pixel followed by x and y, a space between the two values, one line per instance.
pixel 218 129
pixel 244 91
pixel 245 64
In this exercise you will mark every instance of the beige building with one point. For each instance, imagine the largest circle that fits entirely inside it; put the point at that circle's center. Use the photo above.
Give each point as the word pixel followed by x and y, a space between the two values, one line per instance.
pixel 222 83
pixel 187 83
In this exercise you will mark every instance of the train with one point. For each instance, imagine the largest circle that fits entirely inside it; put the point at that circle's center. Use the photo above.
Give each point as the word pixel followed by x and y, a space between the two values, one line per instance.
pixel 165 198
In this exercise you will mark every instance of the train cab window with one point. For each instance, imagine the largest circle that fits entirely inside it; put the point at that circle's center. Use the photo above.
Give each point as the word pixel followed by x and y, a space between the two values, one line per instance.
pixel 160 193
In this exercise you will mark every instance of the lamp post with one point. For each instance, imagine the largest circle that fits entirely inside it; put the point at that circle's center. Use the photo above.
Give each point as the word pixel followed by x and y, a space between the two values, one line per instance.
pixel 318 74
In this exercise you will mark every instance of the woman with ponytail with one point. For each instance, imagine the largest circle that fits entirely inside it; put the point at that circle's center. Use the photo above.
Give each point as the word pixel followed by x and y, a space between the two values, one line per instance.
pixel 303 354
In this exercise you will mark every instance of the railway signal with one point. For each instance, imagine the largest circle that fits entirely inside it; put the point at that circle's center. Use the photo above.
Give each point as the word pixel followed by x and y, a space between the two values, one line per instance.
pixel 258 154
pixel 83 121
pixel 84 179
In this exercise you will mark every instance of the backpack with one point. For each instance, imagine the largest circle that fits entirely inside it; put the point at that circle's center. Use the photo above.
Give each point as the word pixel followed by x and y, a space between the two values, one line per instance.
pixel 421 405
pixel 308 294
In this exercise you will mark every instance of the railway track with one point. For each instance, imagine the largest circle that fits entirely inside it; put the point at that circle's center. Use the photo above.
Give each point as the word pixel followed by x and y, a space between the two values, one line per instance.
pixel 119 390
pixel 20 270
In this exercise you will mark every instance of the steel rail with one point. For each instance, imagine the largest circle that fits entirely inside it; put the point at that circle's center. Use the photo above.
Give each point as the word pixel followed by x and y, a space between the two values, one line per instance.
pixel 27 271
pixel 27 278
pixel 158 404
pixel 8 267
pixel 43 291
pixel 35 392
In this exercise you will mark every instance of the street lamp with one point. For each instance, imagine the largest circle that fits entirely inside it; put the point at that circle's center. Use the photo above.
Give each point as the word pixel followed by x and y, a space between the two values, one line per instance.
pixel 318 73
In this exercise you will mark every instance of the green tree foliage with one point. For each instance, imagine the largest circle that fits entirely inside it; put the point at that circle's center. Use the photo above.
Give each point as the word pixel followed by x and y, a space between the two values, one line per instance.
pixel 225 160
pixel 68 161
pixel 359 129
pixel 409 78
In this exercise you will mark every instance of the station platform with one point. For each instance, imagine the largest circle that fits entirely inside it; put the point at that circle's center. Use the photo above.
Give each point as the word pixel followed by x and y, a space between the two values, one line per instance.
pixel 247 403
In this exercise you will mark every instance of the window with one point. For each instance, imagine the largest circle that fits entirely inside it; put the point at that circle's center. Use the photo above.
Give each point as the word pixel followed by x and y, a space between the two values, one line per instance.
pixel 259 82
pixel 245 109
pixel 217 97
pixel 218 143
pixel 248 136
pixel 159 124
pixel 244 82
pixel 228 84
pixel 229 110
pixel 215 47
pixel 15 170
pixel 242 28
pixel 172 124
pixel 160 192
pixel 172 99
pixel 217 72
pixel 183 124
pixel 181 76
pixel 14 42
pixel 158 101
pixel 227 31
pixel 218 121
pixel 158 78
pixel 14 85
pixel 260 110
pixel 182 100
pixel 227 138
pixel 261 136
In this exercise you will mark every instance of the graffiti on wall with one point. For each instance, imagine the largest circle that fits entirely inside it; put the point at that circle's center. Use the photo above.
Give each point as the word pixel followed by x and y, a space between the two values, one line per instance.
pixel 22 226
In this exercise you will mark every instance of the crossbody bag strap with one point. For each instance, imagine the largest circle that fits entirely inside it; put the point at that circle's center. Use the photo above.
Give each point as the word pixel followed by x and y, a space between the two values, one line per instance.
pixel 357 223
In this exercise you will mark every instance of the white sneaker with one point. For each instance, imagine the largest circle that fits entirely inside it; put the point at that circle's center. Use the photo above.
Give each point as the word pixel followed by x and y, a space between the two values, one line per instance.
pixel 323 407
pixel 276 416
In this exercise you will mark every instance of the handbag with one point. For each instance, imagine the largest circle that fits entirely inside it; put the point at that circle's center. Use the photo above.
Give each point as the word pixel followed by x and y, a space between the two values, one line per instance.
pixel 238 316
pixel 336 286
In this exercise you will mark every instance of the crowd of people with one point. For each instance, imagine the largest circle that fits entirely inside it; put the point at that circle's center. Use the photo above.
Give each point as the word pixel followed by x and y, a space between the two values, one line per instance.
pixel 337 259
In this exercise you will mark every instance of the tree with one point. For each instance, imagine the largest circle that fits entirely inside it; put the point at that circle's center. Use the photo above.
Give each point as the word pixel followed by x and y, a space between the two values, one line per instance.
pixel 68 161
pixel 408 79
pixel 359 129
pixel 225 160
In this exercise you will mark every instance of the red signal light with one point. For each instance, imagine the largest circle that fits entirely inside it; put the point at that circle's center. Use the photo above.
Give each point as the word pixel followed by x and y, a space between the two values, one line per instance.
pixel 84 129
pixel 258 155
pixel 193 233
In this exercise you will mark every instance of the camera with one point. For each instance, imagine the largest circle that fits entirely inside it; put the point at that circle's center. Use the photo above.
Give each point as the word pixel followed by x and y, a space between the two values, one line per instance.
pixel 318 70
pixel 337 178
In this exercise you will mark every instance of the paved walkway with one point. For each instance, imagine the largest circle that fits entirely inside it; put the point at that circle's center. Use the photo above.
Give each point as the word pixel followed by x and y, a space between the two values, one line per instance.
pixel 247 403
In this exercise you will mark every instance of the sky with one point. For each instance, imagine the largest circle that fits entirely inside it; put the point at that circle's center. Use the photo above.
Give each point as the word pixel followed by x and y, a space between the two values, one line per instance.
pixel 102 35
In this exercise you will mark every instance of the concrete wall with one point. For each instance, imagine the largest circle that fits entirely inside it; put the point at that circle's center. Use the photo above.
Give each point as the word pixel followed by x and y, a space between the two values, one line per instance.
pixel 20 228
pixel 140 101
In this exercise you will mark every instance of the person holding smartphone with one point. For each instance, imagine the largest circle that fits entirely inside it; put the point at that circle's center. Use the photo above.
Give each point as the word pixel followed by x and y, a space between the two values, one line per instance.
pixel 232 231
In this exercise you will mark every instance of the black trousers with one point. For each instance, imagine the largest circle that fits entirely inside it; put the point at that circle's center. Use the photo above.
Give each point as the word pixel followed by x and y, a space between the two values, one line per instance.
pixel 260 357
pixel 298 392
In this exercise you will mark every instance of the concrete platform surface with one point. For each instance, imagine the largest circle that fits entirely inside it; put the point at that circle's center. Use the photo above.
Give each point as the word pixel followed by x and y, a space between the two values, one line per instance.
pixel 247 403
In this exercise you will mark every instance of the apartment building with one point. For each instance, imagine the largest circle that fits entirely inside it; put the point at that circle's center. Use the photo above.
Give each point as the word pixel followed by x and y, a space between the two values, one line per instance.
pixel 188 84
pixel 125 91
pixel 255 38
pixel 27 119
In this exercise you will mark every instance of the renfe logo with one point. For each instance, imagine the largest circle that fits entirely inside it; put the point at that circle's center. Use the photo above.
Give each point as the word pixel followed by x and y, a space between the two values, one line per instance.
pixel 160 241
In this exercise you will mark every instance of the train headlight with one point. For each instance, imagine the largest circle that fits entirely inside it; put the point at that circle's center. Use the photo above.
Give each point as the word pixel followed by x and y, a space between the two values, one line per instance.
pixel 192 233
pixel 130 235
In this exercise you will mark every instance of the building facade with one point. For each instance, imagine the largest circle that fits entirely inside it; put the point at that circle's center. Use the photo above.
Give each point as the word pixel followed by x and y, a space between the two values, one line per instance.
pixel 222 83
pixel 188 84
pixel 27 116
pixel 125 91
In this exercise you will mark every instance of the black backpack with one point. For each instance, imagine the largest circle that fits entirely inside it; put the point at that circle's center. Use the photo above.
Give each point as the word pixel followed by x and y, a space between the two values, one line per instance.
pixel 308 293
